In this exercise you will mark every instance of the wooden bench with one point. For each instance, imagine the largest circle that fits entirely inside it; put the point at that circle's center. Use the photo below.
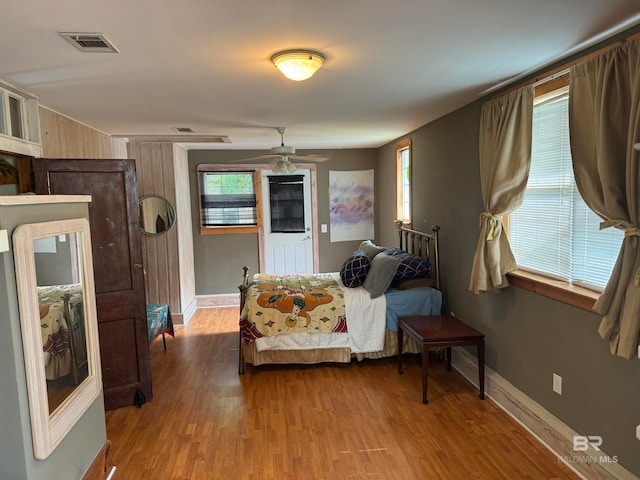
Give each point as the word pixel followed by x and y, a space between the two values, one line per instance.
pixel 440 331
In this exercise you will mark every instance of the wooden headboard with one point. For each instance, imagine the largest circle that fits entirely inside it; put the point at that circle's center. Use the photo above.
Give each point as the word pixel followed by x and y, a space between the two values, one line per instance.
pixel 422 244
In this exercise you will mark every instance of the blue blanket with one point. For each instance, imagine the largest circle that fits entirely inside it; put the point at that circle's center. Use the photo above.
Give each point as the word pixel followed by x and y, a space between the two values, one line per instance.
pixel 414 301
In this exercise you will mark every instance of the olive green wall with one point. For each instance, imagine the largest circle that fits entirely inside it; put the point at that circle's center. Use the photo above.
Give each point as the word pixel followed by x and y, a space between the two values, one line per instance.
pixel 219 258
pixel 528 337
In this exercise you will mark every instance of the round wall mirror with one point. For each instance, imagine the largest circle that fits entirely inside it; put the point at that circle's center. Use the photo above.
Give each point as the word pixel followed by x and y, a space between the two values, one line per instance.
pixel 157 215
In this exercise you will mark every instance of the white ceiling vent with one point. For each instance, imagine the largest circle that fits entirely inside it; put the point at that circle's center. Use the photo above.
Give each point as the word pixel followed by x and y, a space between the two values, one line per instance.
pixel 89 42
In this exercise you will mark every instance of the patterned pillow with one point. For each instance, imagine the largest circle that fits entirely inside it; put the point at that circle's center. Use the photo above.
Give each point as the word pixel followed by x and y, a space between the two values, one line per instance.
pixel 411 266
pixel 354 270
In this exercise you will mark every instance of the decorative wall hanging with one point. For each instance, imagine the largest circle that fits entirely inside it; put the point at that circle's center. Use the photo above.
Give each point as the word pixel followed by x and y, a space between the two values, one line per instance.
pixel 351 202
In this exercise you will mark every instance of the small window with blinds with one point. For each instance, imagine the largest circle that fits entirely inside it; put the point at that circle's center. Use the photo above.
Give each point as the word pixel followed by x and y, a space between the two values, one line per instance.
pixel 227 199
pixel 553 232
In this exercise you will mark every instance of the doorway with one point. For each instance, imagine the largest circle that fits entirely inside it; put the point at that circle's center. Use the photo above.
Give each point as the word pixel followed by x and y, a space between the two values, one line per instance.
pixel 288 240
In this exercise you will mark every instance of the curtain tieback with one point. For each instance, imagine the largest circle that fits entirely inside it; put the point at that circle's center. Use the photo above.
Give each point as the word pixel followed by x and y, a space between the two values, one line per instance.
pixel 493 222
pixel 630 230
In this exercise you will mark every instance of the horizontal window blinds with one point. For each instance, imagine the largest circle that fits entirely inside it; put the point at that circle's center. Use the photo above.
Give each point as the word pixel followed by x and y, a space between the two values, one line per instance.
pixel 554 233
pixel 227 199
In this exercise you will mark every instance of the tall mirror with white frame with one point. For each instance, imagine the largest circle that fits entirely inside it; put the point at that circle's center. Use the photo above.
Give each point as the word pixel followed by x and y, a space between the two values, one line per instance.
pixel 56 297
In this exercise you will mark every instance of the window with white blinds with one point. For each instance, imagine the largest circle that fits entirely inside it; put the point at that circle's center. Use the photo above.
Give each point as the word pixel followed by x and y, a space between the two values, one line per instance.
pixel 554 233
pixel 227 199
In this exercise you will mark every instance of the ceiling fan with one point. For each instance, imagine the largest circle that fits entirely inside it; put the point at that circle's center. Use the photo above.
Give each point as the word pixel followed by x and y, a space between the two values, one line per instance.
pixel 283 155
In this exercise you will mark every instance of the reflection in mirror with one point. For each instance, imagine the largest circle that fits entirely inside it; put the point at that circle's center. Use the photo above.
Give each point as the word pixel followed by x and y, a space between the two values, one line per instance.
pixel 59 327
pixel 157 215
pixel 60 298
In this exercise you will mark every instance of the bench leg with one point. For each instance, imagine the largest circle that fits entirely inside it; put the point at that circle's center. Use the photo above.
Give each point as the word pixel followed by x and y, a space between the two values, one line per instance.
pixel 449 358
pixel 425 372
pixel 481 367
pixel 400 339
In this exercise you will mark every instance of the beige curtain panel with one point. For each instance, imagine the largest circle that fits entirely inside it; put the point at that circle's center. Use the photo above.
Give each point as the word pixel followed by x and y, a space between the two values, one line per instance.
pixel 604 123
pixel 505 156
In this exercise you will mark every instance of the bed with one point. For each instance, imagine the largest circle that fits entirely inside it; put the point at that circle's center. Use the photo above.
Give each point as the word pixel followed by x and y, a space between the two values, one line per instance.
pixel 339 316
pixel 63 330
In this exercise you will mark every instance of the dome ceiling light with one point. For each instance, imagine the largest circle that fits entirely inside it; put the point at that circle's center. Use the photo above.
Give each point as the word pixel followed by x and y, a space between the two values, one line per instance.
pixel 298 65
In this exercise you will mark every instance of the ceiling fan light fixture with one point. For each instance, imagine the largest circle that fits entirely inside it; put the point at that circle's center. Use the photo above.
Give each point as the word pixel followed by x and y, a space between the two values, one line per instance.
pixel 298 65
pixel 283 166
pixel 279 167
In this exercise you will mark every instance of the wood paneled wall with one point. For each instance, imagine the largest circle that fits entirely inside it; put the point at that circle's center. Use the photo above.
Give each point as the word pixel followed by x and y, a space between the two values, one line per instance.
pixel 63 137
pixel 162 169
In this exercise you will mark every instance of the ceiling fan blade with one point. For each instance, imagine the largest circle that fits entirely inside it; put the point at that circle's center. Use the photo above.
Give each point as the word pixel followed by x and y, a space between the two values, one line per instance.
pixel 282 156
pixel 259 157
pixel 309 158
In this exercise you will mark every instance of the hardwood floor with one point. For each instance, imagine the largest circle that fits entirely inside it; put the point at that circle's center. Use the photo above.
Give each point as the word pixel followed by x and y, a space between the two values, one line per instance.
pixel 361 420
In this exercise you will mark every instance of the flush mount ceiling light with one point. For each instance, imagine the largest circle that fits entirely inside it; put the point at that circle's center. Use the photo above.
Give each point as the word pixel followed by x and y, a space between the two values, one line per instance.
pixel 298 64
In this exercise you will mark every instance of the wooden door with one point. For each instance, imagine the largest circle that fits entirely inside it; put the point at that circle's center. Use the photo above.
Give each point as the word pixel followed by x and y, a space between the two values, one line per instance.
pixel 117 265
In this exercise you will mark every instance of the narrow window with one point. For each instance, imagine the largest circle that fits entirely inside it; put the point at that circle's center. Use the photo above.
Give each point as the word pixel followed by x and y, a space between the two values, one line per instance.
pixel 15 117
pixel 403 181
pixel 3 123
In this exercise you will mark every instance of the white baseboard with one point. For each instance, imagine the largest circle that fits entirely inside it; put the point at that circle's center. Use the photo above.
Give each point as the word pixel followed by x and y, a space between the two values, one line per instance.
pixel 218 300
pixel 548 429
pixel 189 310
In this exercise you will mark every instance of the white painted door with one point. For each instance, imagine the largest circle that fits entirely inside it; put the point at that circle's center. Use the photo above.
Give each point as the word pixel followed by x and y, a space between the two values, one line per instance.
pixel 288 232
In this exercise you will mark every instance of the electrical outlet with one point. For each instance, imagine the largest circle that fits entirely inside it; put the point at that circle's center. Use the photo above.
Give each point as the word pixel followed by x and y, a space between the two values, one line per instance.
pixel 638 432
pixel 453 315
pixel 323 228
pixel 557 384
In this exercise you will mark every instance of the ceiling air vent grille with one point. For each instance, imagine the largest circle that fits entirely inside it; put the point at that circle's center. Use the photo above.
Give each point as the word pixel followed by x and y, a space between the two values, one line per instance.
pixel 90 42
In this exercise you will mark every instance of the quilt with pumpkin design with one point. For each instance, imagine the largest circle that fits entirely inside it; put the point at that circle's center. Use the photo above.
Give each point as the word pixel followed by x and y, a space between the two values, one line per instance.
pixel 279 304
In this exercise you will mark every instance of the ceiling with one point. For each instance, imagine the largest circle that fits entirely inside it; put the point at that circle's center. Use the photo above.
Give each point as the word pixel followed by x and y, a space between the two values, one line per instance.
pixel 391 66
